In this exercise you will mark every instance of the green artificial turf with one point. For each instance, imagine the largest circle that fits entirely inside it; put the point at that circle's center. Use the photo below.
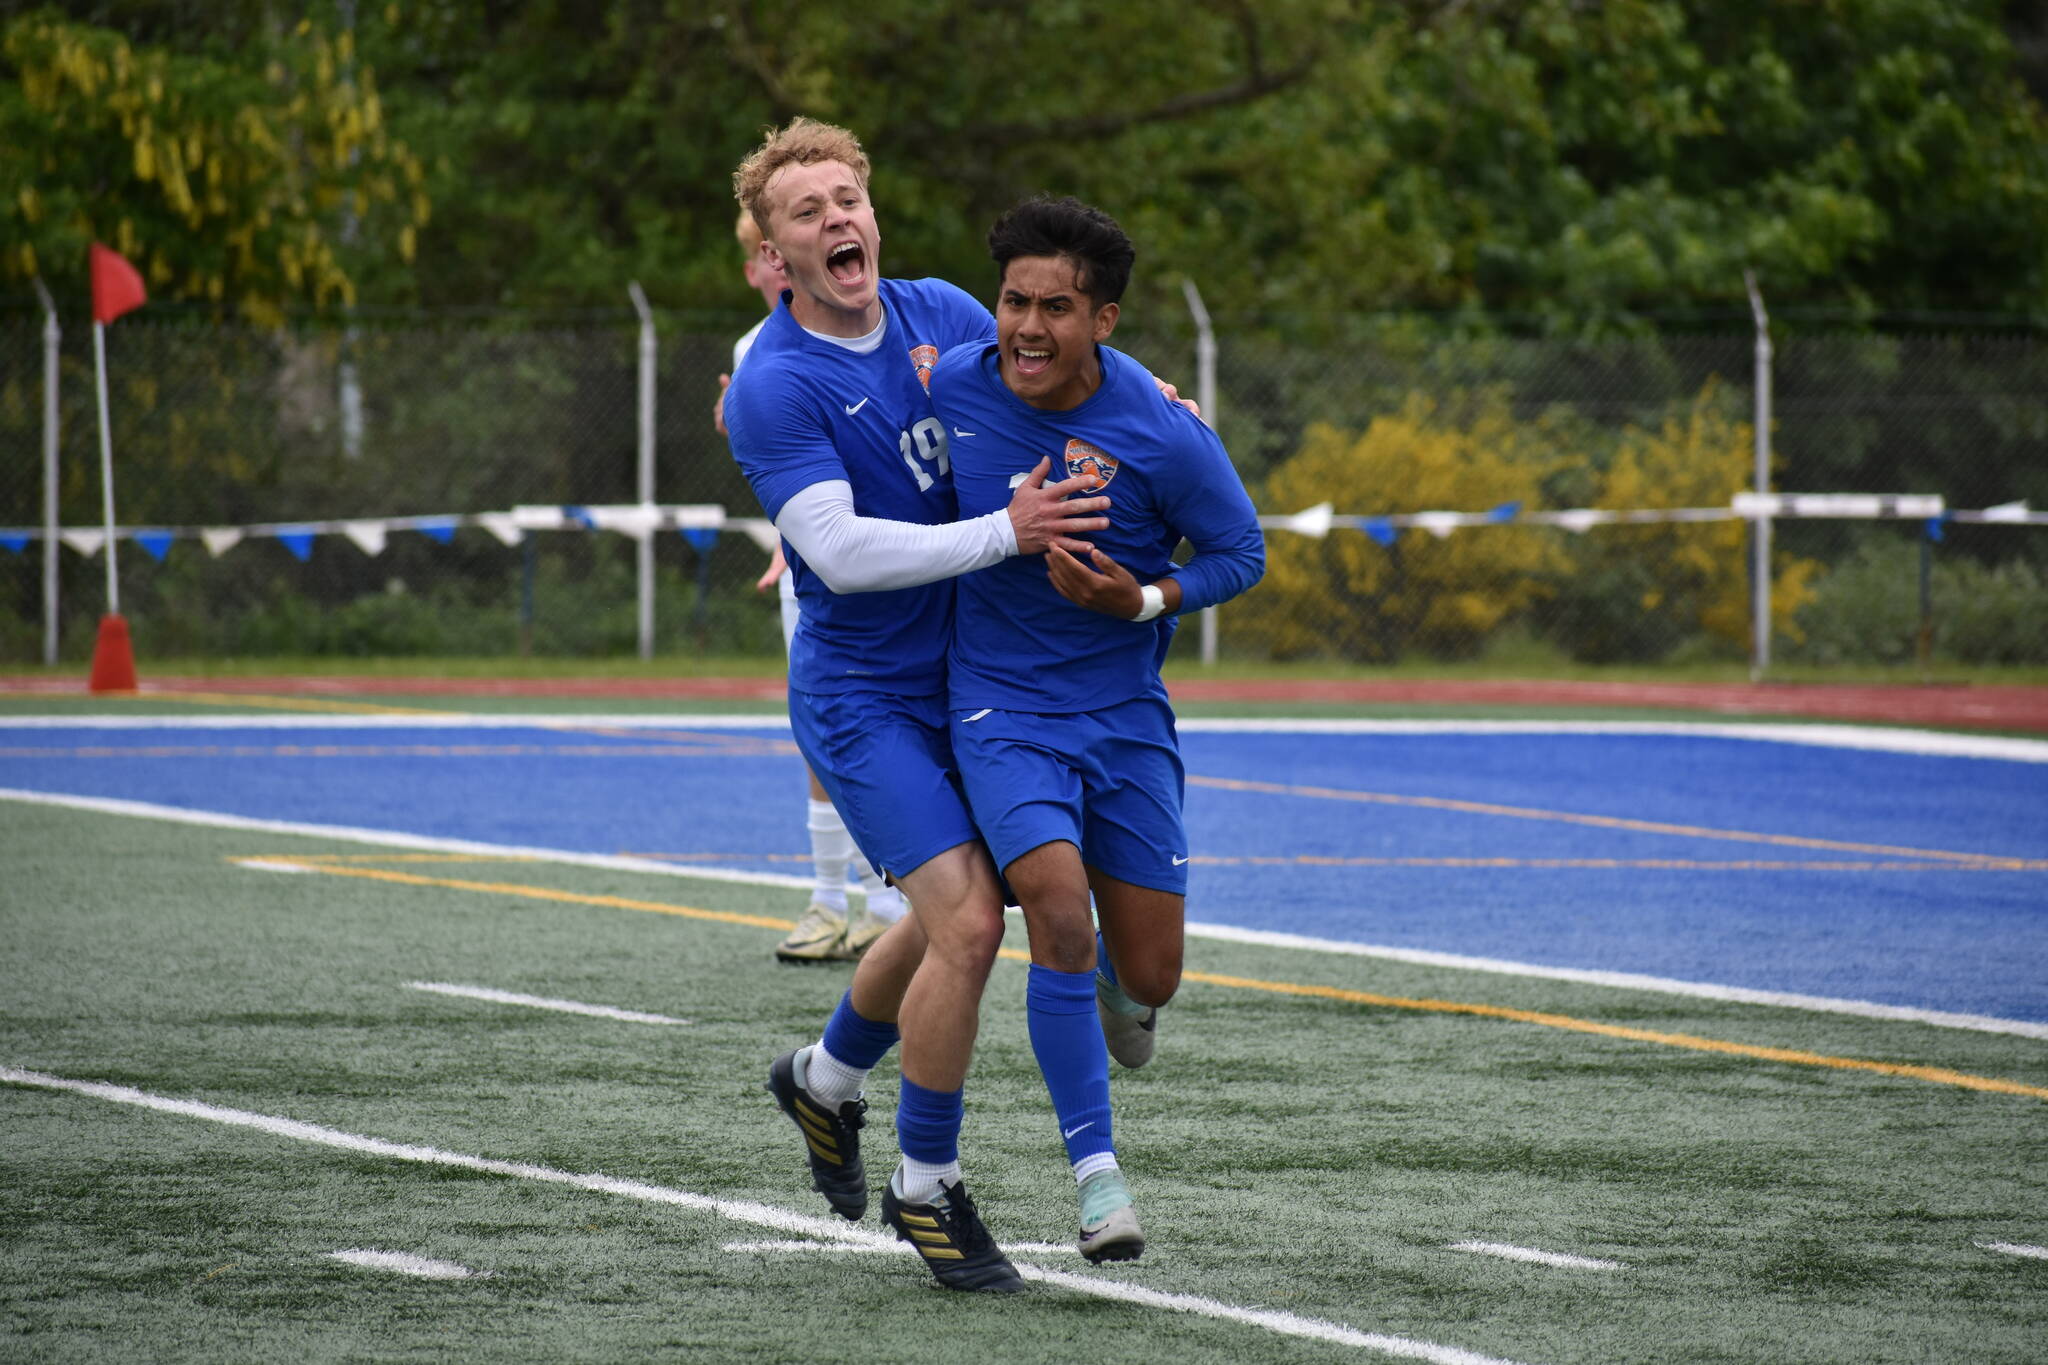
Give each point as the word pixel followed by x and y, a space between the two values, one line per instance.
pixel 1291 1153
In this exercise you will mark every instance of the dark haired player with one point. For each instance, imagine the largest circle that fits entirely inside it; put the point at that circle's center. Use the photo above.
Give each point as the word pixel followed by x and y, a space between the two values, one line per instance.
pixel 1060 723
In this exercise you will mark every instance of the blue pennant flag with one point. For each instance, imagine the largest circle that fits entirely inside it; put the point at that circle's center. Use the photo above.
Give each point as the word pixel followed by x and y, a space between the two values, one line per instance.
pixel 1507 511
pixel 441 529
pixel 158 543
pixel 14 542
pixel 1934 531
pixel 299 541
pixel 1380 529
pixel 701 538
pixel 580 515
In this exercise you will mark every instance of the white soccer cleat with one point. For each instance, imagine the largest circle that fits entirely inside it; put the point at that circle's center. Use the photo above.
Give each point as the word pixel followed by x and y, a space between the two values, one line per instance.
pixel 817 936
pixel 1130 1029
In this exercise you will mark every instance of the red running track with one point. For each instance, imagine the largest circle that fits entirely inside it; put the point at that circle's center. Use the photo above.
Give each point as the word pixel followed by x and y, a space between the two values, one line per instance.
pixel 1946 705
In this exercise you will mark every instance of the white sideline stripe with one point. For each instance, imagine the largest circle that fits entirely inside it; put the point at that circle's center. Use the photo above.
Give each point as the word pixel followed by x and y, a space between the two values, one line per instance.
pixel 272 865
pixel 745 1211
pixel 1705 990
pixel 1223 933
pixel 384 838
pixel 405 1263
pixel 1009 1248
pixel 2017 1249
pixel 1891 739
pixel 1561 1260
pixel 1887 739
pixel 542 1002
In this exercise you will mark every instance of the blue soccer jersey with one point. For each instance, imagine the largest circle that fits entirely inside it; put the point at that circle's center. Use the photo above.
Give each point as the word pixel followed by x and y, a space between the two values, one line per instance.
pixel 803 411
pixel 1019 645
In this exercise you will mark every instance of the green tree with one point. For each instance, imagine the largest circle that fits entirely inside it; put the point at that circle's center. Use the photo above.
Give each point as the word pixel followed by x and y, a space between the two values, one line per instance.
pixel 240 176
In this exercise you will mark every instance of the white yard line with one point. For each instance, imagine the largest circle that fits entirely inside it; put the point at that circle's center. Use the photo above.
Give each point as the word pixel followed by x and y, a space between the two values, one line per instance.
pixel 1561 1260
pixel 799 1247
pixel 743 1211
pixel 542 1002
pixel 405 1263
pixel 2017 1249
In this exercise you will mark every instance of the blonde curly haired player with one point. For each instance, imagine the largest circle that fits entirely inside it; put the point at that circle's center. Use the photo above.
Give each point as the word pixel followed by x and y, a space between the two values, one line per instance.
pixel 828 930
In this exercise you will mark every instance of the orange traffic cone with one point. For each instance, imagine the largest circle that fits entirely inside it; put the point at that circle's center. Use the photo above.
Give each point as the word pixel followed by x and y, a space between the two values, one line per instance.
pixel 113 657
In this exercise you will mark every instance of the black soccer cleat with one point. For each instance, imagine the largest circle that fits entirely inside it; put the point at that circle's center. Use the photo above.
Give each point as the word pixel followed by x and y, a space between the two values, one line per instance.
pixel 832 1139
pixel 949 1234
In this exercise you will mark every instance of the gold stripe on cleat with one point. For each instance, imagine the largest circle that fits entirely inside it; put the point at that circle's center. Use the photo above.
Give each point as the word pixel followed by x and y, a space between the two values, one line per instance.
pixel 941 1254
pixel 922 1220
pixel 928 1236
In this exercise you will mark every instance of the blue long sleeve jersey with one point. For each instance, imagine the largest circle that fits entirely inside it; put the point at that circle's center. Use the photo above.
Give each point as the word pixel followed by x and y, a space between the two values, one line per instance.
pixel 1020 646
pixel 802 411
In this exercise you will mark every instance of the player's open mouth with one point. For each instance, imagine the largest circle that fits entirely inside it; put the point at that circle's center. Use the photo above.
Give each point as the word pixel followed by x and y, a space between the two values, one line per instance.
pixel 1031 360
pixel 848 263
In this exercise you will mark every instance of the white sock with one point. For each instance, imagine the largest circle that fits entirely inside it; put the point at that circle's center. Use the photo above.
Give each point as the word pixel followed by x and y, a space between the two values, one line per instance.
pixel 1089 1165
pixel 829 1080
pixel 918 1182
pixel 885 902
pixel 831 850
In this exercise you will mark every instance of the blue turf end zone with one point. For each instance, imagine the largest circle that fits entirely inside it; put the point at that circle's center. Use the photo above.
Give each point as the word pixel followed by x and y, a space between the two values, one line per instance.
pixel 1891 921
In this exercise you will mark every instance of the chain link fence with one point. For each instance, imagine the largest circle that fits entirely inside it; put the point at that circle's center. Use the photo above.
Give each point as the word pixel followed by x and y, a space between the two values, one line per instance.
pixel 226 427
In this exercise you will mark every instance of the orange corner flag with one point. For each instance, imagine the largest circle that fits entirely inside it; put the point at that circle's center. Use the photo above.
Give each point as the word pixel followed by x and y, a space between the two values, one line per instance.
pixel 116 285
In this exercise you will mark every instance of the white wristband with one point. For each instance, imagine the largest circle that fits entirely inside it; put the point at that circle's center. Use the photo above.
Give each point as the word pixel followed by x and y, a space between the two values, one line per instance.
pixel 1155 602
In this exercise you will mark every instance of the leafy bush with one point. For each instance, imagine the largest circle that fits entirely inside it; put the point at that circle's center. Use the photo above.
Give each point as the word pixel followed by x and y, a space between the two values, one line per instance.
pixel 1348 595
pixel 1637 592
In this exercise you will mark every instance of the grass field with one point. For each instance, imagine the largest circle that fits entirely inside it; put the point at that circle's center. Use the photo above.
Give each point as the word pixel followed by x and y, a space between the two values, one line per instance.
pixel 1319 1138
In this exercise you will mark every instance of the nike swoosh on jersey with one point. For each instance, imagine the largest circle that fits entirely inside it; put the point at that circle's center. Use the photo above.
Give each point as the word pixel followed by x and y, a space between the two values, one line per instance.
pixel 1178 861
pixel 856 407
pixel 958 432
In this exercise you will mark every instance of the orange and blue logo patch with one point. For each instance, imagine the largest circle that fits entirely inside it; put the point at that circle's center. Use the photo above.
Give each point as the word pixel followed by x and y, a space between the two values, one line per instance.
pixel 924 357
pixel 1083 458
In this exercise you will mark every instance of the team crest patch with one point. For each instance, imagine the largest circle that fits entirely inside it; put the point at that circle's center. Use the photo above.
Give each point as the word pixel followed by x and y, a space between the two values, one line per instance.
pixel 924 357
pixel 1083 458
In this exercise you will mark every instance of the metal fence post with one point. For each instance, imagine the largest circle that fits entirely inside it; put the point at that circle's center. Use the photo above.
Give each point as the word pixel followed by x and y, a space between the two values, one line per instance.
pixel 1205 394
pixel 1760 527
pixel 644 551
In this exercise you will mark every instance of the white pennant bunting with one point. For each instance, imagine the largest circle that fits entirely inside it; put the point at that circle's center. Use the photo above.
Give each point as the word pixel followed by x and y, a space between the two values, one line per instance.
pixel 220 539
pixel 368 536
pixel 504 527
pixel 86 543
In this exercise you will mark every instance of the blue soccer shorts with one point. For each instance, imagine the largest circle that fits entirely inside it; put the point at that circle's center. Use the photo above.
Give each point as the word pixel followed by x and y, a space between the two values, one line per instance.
pixel 1108 780
pixel 887 763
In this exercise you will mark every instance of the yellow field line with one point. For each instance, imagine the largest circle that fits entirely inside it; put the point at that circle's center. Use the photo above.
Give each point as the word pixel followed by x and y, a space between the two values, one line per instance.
pixel 1794 1056
pixel 1572 818
pixel 262 701
pixel 542 893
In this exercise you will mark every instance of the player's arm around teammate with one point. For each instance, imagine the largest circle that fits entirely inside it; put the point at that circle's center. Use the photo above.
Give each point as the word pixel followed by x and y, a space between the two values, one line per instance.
pixel 832 424
pixel 1061 727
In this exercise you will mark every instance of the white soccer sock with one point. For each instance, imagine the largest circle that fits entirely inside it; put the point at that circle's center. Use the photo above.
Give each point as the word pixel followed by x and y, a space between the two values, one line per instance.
pixel 918 1182
pixel 831 850
pixel 1089 1165
pixel 885 902
pixel 829 1080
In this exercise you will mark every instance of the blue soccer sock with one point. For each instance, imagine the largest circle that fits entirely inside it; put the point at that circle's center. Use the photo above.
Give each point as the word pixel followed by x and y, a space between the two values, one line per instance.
pixel 1066 1037
pixel 839 1065
pixel 928 1132
pixel 1107 986
pixel 1104 968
